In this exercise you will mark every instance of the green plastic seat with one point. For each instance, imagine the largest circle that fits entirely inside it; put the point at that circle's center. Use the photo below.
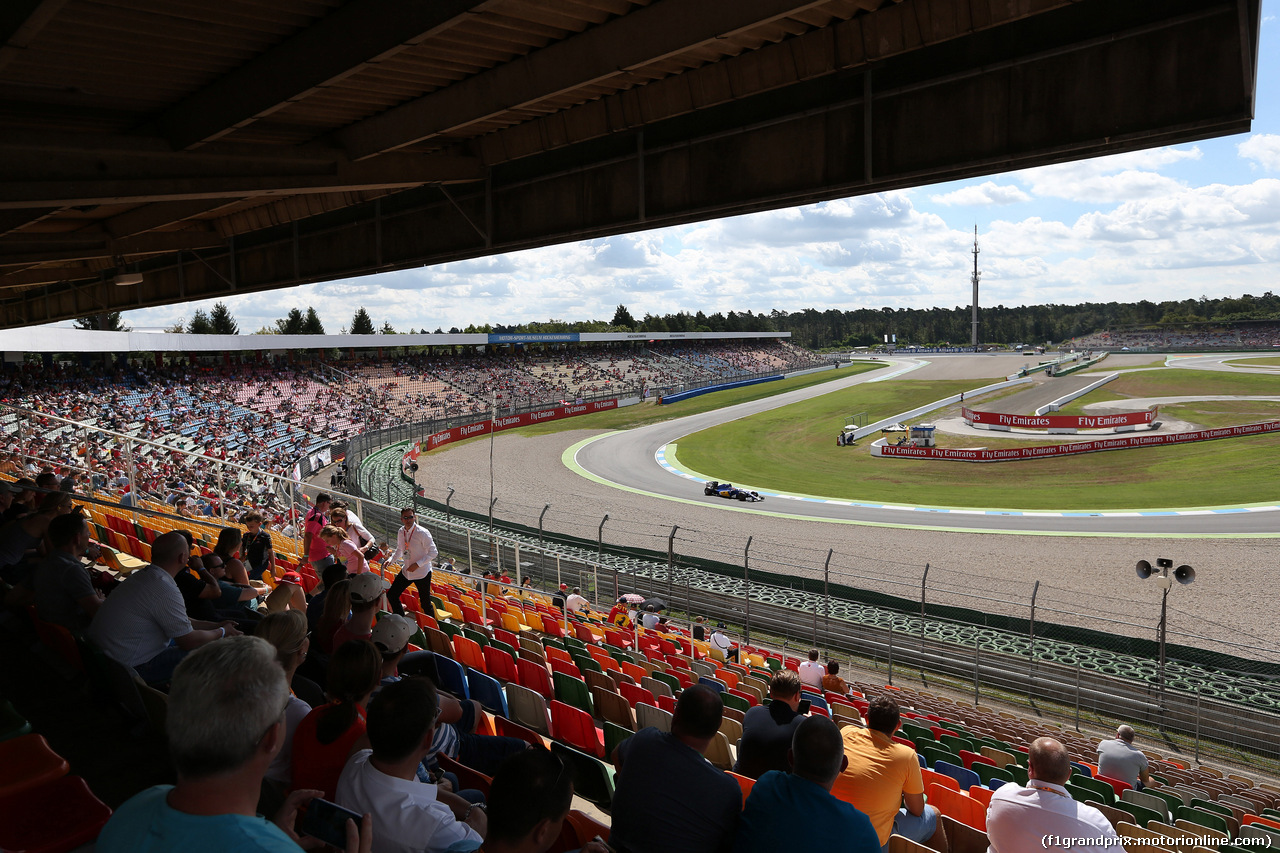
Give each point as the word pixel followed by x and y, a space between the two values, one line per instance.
pixel 614 734
pixel 12 724
pixel 572 691
pixel 667 679
pixel 731 701
pixel 1141 814
pixel 1105 793
pixel 955 744
pixel 1200 817
pixel 987 772
pixel 1019 773
pixel 933 755
pixel 480 638
pixel 592 778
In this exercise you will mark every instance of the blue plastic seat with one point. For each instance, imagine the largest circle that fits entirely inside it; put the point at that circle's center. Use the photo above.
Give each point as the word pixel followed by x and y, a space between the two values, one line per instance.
pixel 453 678
pixel 714 683
pixel 486 690
pixel 966 778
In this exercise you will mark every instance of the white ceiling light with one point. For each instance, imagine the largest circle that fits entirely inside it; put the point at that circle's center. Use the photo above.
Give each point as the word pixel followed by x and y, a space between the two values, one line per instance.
pixel 126 279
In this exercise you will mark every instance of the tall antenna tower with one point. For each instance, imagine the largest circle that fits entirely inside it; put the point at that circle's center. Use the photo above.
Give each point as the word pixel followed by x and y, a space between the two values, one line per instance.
pixel 974 337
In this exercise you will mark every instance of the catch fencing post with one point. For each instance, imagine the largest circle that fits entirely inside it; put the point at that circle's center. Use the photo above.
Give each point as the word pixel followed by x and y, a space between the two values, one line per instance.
pixel 541 544
pixel 1031 670
pixel 671 563
pixel 924 580
pixel 826 593
pixel 746 576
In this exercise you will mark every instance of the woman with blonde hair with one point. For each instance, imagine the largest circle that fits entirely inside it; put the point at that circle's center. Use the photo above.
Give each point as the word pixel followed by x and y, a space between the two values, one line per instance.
pixel 344 550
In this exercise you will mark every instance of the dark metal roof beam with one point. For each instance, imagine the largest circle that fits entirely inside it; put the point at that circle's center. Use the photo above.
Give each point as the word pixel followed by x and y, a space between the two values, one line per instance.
pixel 152 216
pixel 319 56
pixel 90 187
pixel 17 252
pixel 20 20
pixel 640 38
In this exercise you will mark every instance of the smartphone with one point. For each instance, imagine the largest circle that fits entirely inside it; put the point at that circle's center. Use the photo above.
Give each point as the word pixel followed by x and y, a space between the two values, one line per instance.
pixel 601 841
pixel 328 822
pixel 805 705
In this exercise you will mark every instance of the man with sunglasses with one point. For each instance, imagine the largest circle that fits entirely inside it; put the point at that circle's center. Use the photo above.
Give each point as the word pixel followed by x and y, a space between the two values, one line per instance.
pixel 415 551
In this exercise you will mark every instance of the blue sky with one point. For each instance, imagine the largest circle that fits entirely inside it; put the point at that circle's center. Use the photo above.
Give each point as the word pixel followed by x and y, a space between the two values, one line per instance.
pixel 1167 223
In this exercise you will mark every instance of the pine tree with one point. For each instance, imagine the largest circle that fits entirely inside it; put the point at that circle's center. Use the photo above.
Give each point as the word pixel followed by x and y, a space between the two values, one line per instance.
pixel 312 325
pixel 360 323
pixel 622 317
pixel 292 324
pixel 222 322
pixel 200 324
pixel 108 322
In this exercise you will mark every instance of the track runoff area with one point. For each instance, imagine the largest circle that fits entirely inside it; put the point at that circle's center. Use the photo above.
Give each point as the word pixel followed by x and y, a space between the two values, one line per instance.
pixel 647 460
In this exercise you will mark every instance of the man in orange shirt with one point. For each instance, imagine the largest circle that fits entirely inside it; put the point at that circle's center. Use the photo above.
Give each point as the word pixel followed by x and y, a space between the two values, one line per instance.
pixel 883 780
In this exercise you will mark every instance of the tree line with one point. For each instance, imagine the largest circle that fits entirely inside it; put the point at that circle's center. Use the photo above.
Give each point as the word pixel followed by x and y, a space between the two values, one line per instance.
pixel 829 329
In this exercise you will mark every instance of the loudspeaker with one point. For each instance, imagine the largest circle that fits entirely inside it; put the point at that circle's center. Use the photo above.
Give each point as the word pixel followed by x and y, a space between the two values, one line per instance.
pixel 1184 574
pixel 1144 569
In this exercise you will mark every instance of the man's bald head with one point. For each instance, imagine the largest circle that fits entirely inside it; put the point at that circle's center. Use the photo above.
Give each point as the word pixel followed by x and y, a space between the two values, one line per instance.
pixel 1048 761
pixel 169 550
pixel 1125 733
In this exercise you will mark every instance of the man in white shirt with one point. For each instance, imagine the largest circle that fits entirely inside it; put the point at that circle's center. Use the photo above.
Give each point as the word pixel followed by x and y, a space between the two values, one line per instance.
pixel 409 816
pixel 144 622
pixel 576 602
pixel 811 672
pixel 1043 816
pixel 720 641
pixel 415 549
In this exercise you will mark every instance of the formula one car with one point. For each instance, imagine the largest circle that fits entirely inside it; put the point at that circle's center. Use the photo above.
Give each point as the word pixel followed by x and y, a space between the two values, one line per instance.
pixel 727 490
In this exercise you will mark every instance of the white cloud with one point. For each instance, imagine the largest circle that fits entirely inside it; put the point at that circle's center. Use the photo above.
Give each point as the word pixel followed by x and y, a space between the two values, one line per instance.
pixel 1263 149
pixel 986 193
pixel 1116 178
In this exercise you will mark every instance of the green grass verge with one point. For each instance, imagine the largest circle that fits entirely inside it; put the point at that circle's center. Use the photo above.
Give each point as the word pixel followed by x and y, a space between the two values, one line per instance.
pixel 794 450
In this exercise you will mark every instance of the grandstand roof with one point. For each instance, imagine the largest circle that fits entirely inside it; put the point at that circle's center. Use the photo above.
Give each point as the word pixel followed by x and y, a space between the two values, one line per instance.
pixel 80 340
pixel 231 147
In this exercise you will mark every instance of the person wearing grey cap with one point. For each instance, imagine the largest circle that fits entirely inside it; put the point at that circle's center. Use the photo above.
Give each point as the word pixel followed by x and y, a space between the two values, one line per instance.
pixel 366 594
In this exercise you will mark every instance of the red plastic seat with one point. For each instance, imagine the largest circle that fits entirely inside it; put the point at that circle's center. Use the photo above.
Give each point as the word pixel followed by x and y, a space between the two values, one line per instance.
pixel 502 635
pixel 744 782
pixel 534 676
pixel 500 665
pixel 576 728
pixel 1119 785
pixel 55 817
pixel 667 703
pixel 472 615
pixel 510 728
pixel 567 668
pixel 972 758
pixel 28 762
pixel 635 695
pixel 742 694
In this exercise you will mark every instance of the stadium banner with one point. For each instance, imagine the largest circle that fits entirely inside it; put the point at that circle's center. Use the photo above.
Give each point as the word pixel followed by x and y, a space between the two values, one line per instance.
pixel 534 338
pixel 1015 454
pixel 993 420
pixel 553 413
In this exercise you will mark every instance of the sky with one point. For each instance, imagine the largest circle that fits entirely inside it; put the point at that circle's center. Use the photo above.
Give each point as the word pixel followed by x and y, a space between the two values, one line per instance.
pixel 1180 222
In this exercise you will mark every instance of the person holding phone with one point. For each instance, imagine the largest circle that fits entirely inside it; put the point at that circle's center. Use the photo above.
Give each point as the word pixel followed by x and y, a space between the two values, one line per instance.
pixel 226 722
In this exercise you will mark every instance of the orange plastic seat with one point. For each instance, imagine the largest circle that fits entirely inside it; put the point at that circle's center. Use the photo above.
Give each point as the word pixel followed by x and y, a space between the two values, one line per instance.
pixel 933 776
pixel 468 653
pixel 981 794
pixel 28 762
pixel 744 782
pixel 957 806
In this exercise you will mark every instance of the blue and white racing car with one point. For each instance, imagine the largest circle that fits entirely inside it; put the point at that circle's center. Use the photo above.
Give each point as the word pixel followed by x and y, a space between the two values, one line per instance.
pixel 728 490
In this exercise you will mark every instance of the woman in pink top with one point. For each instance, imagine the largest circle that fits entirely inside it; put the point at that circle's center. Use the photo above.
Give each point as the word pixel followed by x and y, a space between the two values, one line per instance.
pixel 344 550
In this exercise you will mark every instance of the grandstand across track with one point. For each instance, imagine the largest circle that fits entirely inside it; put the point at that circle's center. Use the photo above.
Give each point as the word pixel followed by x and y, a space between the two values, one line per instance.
pixel 637 460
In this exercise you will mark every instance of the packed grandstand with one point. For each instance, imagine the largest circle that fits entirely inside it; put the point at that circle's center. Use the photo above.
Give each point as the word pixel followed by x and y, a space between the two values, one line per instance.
pixel 675 736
